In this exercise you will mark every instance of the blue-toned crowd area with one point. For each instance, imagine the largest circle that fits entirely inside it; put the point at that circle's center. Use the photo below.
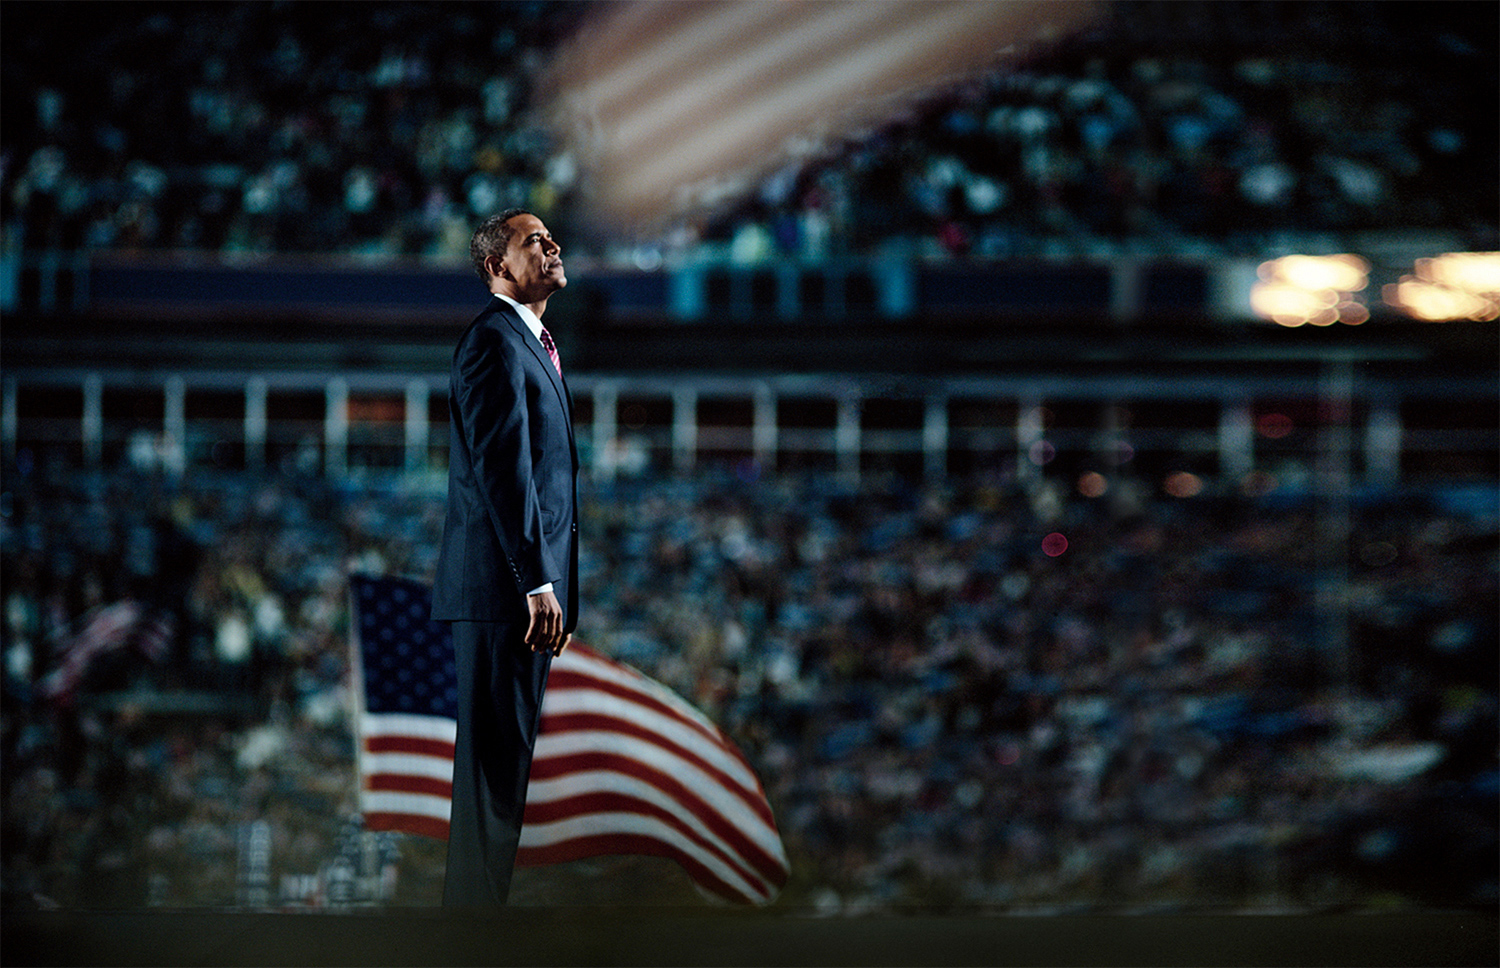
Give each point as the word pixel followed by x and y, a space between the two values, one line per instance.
pixel 1164 129
pixel 947 706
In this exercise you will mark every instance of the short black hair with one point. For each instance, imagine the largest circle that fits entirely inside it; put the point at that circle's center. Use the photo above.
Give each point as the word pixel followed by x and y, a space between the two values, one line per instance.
pixel 492 238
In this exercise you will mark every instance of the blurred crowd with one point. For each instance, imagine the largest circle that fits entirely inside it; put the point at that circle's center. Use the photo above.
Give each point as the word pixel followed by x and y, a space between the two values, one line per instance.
pixel 1168 129
pixel 965 693
pixel 274 127
pixel 1172 130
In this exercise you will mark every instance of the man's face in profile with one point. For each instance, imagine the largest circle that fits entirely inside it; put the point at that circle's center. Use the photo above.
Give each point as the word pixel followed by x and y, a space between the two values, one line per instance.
pixel 533 261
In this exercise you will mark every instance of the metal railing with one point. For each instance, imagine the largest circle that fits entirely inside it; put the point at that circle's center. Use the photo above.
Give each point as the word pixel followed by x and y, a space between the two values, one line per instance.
pixel 628 424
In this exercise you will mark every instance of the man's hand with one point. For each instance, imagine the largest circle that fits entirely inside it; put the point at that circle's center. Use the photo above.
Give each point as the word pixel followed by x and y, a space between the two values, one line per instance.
pixel 545 633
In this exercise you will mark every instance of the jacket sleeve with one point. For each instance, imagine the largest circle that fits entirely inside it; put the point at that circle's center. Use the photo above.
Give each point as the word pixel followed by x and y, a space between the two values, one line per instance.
pixel 490 392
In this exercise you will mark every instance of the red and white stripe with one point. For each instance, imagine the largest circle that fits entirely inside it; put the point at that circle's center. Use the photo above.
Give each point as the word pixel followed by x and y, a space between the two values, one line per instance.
pixel 105 629
pixel 623 765
pixel 406 770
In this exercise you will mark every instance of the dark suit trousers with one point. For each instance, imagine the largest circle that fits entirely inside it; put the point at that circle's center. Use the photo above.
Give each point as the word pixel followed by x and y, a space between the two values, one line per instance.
pixel 500 683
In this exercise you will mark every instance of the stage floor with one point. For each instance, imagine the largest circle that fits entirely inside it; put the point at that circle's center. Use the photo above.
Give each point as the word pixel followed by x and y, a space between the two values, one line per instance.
pixel 707 936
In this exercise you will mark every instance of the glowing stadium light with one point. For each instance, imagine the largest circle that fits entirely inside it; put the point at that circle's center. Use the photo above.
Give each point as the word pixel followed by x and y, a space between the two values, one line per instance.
pixel 1284 304
pixel 1453 286
pixel 1300 290
pixel 1340 273
pixel 1437 303
pixel 1477 272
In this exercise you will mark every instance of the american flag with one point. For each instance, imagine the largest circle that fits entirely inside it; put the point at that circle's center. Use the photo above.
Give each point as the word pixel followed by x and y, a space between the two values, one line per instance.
pixel 623 765
pixel 109 628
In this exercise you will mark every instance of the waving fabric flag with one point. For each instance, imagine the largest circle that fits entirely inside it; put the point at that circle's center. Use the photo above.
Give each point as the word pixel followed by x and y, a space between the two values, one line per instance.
pixel 109 628
pixel 623 765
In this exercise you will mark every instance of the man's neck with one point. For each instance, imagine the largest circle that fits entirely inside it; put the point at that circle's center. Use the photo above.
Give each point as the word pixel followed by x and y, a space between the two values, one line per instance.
pixel 538 308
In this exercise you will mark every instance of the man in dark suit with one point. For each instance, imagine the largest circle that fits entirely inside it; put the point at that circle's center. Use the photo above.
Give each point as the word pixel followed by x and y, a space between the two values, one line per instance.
pixel 508 567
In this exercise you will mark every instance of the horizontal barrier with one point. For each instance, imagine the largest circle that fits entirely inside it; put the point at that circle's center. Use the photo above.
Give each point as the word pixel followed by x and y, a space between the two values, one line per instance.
pixel 195 285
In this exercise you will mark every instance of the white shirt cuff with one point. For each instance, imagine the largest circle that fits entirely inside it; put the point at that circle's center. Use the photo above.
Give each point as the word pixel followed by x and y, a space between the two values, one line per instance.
pixel 542 590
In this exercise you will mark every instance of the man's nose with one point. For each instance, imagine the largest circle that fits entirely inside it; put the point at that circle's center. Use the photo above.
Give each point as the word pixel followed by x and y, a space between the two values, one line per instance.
pixel 551 246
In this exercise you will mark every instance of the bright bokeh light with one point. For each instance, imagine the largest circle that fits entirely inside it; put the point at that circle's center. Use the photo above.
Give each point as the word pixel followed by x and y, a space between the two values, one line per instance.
pixel 1470 271
pixel 1301 290
pixel 1353 313
pixel 1183 484
pixel 1343 273
pixel 1092 484
pixel 1453 286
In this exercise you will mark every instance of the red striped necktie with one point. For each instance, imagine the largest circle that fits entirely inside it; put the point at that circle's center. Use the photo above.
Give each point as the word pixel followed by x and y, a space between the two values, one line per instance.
pixel 551 348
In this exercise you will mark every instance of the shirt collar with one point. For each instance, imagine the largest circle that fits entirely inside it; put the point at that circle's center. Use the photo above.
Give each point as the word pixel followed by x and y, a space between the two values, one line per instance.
pixel 527 316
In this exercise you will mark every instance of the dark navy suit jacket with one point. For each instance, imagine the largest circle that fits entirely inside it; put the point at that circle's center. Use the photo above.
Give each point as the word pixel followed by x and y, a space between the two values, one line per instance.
pixel 512 477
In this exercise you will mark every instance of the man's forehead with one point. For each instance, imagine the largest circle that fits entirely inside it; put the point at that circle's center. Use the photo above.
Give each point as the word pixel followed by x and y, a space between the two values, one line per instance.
pixel 525 225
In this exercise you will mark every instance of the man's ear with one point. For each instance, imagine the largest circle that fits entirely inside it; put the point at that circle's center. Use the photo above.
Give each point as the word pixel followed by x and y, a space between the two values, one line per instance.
pixel 495 266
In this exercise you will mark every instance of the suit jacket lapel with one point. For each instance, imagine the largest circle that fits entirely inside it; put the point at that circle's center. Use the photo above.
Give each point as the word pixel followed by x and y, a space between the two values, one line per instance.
pixel 535 345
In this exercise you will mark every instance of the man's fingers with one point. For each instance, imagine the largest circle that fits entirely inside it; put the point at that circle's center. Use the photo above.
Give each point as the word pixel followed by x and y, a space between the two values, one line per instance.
pixel 545 631
pixel 546 628
pixel 537 633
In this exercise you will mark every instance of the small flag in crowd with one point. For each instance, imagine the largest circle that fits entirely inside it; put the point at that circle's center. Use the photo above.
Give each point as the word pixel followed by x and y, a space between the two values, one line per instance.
pixel 109 628
pixel 623 765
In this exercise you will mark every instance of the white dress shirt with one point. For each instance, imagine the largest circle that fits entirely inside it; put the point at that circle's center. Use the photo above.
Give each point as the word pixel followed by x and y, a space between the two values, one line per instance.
pixel 535 325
